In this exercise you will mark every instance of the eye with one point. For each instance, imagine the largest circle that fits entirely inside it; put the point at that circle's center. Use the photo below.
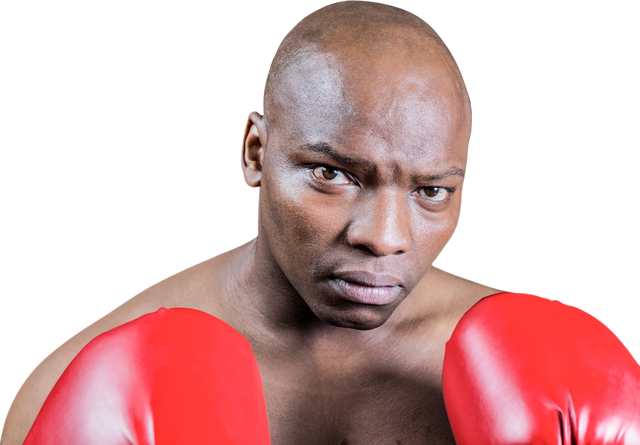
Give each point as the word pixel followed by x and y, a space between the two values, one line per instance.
pixel 330 175
pixel 434 194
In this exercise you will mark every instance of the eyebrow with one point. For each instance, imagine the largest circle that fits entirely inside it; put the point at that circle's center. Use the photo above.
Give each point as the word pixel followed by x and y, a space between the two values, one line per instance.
pixel 326 149
pixel 453 171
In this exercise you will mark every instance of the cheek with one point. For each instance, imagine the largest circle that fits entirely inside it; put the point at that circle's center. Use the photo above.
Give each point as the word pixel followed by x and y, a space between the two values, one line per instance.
pixel 303 221
pixel 431 234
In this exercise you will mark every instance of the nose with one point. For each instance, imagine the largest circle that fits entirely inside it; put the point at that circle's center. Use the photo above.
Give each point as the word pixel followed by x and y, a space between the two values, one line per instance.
pixel 382 224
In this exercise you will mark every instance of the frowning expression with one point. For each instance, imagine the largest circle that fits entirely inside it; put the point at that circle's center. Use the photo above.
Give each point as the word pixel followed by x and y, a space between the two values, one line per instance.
pixel 361 179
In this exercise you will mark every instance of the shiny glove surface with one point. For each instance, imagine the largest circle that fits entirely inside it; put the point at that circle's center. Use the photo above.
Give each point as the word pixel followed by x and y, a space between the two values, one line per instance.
pixel 176 376
pixel 520 369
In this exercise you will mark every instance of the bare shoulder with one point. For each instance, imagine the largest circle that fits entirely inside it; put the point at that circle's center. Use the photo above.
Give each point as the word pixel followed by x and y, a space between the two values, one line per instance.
pixel 438 302
pixel 194 288
pixel 455 294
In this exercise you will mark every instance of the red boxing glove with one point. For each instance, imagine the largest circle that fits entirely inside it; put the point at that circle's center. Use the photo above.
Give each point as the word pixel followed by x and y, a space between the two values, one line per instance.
pixel 177 376
pixel 520 369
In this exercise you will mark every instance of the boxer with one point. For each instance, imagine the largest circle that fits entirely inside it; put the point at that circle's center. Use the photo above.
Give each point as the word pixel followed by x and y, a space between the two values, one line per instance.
pixel 330 326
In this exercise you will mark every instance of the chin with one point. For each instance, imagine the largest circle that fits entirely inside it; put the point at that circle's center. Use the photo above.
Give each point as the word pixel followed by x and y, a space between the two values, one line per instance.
pixel 363 318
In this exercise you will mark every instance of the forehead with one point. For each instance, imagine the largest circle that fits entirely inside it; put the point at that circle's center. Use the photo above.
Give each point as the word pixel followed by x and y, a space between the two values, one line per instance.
pixel 387 105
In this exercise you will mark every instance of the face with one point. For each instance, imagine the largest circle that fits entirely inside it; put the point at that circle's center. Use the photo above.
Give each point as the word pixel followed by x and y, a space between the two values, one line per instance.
pixel 361 180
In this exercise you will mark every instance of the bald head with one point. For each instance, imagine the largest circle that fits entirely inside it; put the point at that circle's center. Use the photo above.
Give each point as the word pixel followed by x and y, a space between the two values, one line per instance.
pixel 346 40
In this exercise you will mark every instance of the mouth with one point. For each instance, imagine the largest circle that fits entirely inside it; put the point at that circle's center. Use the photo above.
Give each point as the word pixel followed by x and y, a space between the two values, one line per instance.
pixel 367 287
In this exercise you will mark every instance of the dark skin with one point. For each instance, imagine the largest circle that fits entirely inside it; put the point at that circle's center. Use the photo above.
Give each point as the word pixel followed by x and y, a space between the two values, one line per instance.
pixel 361 174
pixel 318 216
pixel 380 217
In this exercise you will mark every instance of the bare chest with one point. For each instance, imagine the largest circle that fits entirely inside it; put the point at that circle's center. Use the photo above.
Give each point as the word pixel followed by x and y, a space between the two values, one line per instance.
pixel 354 405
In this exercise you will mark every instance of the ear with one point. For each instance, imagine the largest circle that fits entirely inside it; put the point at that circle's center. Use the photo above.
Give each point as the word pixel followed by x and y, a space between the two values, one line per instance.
pixel 255 139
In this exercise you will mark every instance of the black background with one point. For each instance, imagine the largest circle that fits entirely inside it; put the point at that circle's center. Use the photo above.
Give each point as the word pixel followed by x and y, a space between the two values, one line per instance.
pixel 126 168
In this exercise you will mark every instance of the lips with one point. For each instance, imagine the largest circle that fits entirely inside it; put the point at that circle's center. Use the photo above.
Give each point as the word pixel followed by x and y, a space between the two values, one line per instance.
pixel 366 278
pixel 368 287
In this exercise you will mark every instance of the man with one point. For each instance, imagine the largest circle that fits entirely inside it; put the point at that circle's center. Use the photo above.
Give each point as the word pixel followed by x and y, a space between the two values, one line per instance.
pixel 360 157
